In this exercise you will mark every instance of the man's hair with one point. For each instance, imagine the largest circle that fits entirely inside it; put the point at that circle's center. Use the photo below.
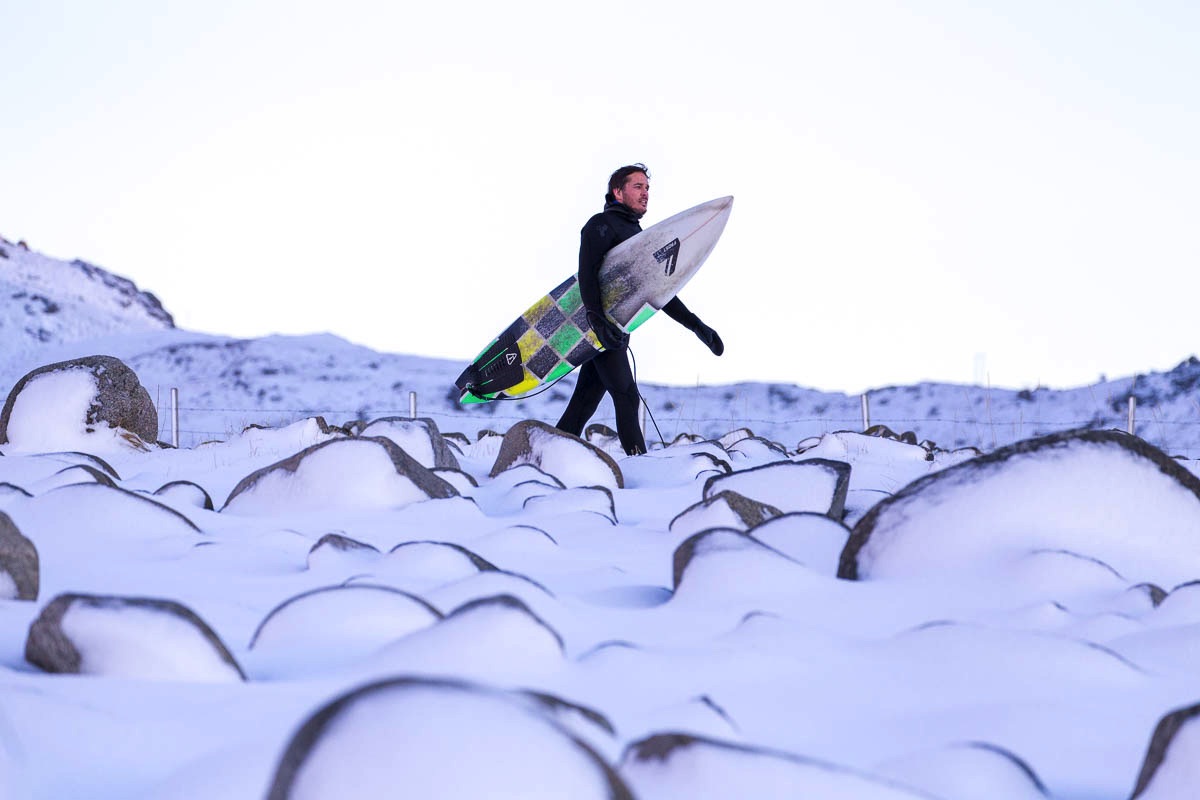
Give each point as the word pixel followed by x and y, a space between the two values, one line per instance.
pixel 617 179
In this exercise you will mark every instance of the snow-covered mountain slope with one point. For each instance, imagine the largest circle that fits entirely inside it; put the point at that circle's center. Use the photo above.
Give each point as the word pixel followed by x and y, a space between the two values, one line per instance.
pixel 226 384
pixel 48 301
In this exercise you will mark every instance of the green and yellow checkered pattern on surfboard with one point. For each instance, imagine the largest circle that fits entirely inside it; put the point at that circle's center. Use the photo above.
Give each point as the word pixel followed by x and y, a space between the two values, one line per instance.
pixel 549 340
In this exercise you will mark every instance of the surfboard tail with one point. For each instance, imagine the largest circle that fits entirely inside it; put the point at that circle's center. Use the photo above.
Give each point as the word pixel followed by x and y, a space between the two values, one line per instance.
pixel 497 368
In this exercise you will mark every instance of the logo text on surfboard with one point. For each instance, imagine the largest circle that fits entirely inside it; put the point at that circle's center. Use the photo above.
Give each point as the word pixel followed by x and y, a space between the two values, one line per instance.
pixel 668 253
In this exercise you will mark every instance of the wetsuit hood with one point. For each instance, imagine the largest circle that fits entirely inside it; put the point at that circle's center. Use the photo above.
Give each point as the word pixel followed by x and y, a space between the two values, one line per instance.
pixel 623 210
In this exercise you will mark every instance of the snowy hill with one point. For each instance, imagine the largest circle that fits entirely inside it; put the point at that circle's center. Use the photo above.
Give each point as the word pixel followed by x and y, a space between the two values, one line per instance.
pixel 47 301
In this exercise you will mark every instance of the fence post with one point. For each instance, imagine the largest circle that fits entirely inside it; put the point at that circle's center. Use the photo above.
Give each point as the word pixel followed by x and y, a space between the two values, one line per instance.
pixel 175 417
pixel 1132 414
pixel 866 411
pixel 412 404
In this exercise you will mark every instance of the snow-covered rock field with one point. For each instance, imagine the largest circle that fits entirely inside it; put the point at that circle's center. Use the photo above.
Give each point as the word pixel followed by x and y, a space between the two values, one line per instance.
pixel 300 612
pixel 365 605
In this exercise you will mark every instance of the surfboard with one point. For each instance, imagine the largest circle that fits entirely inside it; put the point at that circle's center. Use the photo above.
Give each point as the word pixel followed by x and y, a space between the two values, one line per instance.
pixel 637 278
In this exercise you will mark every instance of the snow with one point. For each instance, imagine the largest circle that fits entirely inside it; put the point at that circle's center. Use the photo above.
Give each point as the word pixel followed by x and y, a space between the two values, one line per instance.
pixel 812 539
pixel 140 643
pixel 966 771
pixel 705 771
pixel 496 748
pixel 340 474
pixel 412 438
pixel 52 303
pixel 1084 498
pixel 1177 775
pixel 336 625
pixel 1018 625
pixel 716 512
pixel 561 457
pixel 49 412
pixel 426 565
pixel 8 586
pixel 787 486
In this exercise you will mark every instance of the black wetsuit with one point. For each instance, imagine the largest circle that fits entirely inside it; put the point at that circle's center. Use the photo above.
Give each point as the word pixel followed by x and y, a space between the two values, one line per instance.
pixel 609 371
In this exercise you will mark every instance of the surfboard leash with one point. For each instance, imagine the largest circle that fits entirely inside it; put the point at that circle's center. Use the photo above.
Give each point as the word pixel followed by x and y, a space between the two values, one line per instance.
pixel 644 403
pixel 470 387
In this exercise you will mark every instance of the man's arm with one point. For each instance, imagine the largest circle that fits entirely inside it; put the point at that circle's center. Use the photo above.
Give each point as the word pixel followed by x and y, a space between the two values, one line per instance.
pixel 677 311
pixel 595 240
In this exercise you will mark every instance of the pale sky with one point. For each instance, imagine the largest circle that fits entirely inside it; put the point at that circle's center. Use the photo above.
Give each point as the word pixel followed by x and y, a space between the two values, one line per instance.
pixel 953 191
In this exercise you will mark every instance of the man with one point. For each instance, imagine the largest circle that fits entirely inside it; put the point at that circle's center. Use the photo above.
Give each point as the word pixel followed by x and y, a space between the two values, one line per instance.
pixel 624 205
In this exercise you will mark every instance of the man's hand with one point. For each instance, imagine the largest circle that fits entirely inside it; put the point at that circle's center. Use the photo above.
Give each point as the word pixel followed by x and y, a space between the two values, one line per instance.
pixel 709 337
pixel 612 337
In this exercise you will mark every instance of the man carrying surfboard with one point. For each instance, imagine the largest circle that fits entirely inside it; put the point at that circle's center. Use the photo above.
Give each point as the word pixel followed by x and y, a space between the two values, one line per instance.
pixel 624 206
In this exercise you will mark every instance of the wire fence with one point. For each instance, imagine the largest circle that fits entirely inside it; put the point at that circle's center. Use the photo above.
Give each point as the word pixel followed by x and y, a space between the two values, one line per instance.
pixel 1178 437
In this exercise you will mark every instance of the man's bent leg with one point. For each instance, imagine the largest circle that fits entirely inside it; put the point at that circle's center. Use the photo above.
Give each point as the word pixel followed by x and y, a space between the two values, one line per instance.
pixel 589 391
pixel 618 380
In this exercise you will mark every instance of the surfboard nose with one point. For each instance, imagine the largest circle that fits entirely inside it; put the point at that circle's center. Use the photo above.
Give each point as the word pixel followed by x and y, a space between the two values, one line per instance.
pixel 721 207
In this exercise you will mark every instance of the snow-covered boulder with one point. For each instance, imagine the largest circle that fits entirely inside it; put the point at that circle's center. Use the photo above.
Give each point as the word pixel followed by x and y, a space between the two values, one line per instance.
pixel 566 457
pixel 420 438
pixel 1169 769
pixel 496 501
pixel 594 499
pixel 128 637
pixel 497 583
pixel 364 473
pixel 69 476
pixel 671 467
pixel 466 741
pixel 333 550
pixel 324 627
pixel 61 406
pixel 79 528
pixel 814 540
pixel 463 482
pixel 679 765
pixel 967 771
pixel 42 472
pixel 880 463
pixel 9 491
pixel 817 485
pixel 757 450
pixel 19 573
pixel 585 722
pixel 497 638
pixel 732 558
pixel 1099 496
pixel 685 439
pixel 735 436
pixel 185 493
pixel 601 435
pixel 422 565
pixel 726 509
pixel 523 473
pixel 457 438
